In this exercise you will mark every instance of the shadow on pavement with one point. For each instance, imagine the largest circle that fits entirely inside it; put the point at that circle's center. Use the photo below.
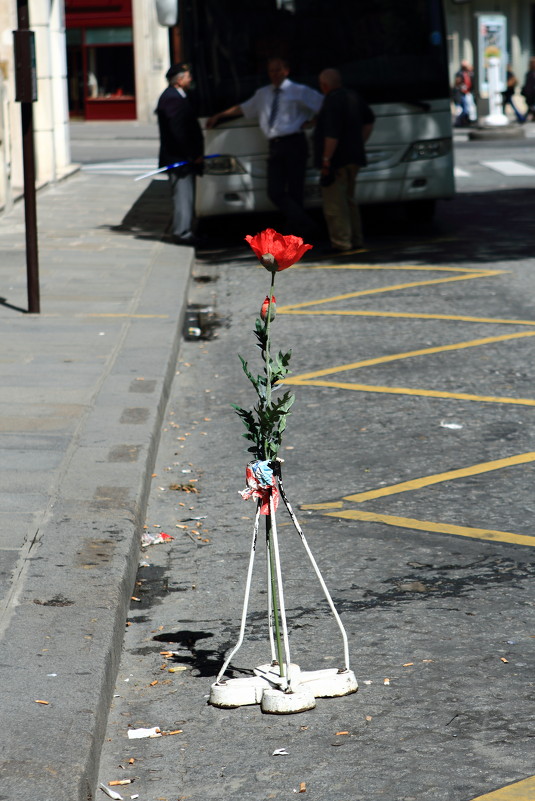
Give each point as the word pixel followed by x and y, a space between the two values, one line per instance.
pixel 474 226
pixel 150 215
pixel 477 227
pixel 4 302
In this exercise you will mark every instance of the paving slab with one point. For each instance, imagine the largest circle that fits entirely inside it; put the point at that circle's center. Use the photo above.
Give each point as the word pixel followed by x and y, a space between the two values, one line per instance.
pixel 83 387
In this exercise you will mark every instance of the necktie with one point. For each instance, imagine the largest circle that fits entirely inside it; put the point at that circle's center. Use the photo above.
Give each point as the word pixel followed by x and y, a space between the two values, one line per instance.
pixel 274 107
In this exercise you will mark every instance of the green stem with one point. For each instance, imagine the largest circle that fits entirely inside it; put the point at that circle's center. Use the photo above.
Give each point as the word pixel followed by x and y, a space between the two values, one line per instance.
pixel 267 354
pixel 267 456
pixel 274 597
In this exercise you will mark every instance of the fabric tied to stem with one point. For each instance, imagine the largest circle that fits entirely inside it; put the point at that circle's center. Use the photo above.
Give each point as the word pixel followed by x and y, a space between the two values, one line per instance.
pixel 261 485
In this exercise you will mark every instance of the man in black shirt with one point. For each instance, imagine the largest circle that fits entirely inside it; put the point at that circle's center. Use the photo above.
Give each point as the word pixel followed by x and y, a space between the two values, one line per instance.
pixel 344 124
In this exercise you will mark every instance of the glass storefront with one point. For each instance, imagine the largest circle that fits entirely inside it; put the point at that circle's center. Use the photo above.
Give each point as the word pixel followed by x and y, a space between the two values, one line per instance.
pixel 100 66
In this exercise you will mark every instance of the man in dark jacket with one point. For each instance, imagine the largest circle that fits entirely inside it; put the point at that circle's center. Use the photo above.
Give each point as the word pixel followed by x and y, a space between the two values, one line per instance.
pixel 343 126
pixel 181 139
pixel 528 90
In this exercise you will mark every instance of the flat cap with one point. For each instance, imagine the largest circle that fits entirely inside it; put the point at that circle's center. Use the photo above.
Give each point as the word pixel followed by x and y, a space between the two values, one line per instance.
pixel 176 69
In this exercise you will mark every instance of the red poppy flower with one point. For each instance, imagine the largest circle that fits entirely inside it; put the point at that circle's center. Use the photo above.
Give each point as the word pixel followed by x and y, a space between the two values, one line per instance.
pixel 265 307
pixel 275 251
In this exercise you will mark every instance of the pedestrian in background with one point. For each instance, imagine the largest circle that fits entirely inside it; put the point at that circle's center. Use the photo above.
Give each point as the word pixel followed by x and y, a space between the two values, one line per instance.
pixel 344 124
pixel 283 109
pixel 463 96
pixel 507 96
pixel 528 90
pixel 181 139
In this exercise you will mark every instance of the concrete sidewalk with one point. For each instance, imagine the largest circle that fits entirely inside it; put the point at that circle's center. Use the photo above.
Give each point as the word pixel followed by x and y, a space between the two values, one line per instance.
pixel 83 387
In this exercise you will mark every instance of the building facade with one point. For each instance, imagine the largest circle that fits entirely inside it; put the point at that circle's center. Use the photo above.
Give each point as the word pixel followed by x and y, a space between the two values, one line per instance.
pixel 95 59
pixel 50 116
pixel 116 55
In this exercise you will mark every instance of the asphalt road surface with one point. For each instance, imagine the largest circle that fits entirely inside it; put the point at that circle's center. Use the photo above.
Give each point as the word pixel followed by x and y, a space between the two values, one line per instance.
pixel 409 458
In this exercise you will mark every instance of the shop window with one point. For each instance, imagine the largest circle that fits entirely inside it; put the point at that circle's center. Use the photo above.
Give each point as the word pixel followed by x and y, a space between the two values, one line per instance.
pixel 100 64
pixel 110 72
pixel 110 63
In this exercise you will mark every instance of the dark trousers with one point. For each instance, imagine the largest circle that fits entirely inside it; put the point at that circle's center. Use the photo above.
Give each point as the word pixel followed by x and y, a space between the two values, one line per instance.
pixel 287 162
pixel 508 99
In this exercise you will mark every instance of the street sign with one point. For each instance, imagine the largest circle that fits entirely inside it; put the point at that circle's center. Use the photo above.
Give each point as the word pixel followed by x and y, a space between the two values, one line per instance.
pixel 25 66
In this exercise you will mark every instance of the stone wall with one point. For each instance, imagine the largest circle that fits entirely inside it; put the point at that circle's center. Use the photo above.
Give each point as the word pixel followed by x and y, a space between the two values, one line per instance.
pixel 50 112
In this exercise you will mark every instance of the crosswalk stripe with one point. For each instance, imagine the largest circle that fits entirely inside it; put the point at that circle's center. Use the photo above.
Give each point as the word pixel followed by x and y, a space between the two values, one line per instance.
pixel 511 168
pixel 460 173
pixel 113 171
pixel 127 167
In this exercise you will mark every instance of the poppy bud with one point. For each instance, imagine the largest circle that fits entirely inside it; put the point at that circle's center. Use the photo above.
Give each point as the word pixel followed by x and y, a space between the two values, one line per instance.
pixel 267 260
pixel 265 306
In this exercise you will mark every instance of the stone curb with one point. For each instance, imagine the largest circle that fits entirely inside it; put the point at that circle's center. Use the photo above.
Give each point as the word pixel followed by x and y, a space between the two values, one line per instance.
pixel 484 134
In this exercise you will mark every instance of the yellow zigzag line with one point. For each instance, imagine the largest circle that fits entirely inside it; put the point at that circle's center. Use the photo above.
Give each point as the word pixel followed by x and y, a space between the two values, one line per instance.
pixel 428 525
pixel 312 378
pixel 391 288
pixel 519 791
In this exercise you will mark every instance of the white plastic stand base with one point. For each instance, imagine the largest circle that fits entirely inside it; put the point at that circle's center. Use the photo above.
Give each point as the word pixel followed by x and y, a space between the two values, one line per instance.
pixel 268 689
pixel 230 693
pixel 330 683
pixel 277 702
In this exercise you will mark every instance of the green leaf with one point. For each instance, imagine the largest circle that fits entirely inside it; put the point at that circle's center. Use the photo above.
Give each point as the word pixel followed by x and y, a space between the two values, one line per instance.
pixel 254 381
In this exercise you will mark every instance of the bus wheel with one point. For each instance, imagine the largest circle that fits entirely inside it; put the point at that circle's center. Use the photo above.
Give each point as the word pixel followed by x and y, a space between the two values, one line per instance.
pixel 421 212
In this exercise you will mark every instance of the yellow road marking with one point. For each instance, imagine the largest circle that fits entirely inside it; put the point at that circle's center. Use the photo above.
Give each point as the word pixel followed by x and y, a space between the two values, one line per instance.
pixel 403 268
pixel 474 343
pixel 312 379
pixel 428 525
pixel 124 314
pixel 424 393
pixel 437 478
pixel 408 315
pixel 112 315
pixel 519 791
pixel 390 288
pixel 327 505
pixel 435 528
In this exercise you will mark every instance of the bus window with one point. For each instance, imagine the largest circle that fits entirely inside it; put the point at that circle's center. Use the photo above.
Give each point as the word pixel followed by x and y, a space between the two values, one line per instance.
pixel 389 51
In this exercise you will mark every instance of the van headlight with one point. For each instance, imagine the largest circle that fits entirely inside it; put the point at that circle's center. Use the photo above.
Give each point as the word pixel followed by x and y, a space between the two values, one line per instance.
pixel 428 149
pixel 223 165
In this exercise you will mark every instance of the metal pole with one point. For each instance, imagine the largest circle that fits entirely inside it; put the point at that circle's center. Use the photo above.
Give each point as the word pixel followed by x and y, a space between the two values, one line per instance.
pixel 32 258
pixel 28 156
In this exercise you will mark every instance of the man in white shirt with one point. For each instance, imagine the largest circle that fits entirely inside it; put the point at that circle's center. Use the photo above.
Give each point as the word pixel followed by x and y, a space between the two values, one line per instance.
pixel 283 109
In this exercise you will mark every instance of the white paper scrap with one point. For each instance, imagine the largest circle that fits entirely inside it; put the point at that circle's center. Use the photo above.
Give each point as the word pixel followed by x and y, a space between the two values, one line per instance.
pixel 110 793
pixel 280 752
pixel 137 734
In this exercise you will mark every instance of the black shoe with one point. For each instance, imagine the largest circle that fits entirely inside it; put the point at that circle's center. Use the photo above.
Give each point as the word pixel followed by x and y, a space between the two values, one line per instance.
pixel 189 241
